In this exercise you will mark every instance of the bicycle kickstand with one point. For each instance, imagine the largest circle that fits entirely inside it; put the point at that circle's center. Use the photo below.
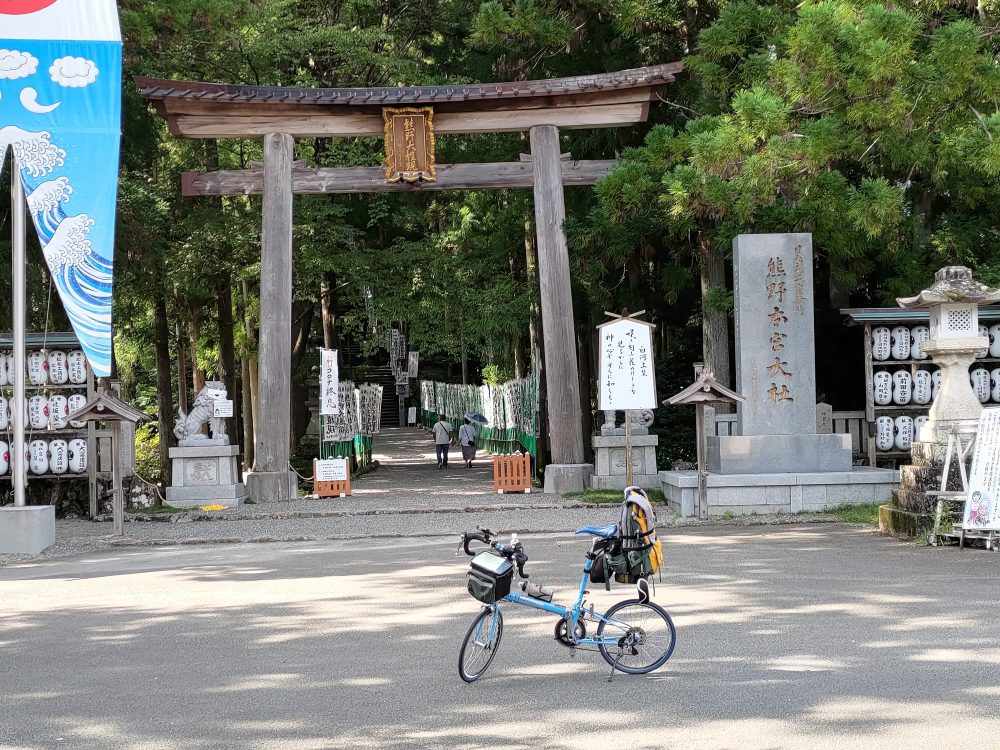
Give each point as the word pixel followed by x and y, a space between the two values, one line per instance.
pixel 611 676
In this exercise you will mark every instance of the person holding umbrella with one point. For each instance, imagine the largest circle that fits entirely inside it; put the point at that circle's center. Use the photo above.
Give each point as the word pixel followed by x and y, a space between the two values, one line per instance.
pixel 467 436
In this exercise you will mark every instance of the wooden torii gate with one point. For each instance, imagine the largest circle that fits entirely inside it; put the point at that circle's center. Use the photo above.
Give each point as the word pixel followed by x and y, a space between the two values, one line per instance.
pixel 279 115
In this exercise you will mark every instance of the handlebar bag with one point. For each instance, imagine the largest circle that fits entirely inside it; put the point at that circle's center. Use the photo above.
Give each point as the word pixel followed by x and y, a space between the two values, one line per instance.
pixel 490 577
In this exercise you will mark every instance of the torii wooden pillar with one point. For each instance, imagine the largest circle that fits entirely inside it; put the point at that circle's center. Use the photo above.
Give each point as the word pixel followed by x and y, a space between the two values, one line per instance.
pixel 278 115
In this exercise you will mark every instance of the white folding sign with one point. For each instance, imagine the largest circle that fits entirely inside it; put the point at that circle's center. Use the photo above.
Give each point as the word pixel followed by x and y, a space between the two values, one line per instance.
pixel 331 470
pixel 627 376
pixel 982 507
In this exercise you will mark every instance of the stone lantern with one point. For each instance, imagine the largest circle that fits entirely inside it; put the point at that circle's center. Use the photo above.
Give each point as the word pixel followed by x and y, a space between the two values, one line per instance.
pixel 953 303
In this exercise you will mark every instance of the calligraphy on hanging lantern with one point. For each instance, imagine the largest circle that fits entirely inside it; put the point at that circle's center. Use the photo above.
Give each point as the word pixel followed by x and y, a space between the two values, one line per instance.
pixel 779 372
pixel 409 144
pixel 626 365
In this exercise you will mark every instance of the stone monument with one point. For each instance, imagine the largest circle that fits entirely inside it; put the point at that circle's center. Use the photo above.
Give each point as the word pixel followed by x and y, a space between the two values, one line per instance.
pixel 609 452
pixel 776 364
pixel 205 468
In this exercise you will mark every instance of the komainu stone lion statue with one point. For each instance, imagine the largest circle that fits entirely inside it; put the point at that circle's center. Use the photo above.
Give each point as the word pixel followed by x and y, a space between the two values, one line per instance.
pixel 188 426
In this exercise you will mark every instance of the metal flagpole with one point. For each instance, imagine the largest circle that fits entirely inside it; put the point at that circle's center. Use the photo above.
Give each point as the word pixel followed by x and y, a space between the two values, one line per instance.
pixel 19 476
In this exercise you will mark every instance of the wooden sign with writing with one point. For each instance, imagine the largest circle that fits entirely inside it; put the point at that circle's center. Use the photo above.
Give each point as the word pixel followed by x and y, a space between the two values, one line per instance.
pixel 628 380
pixel 409 144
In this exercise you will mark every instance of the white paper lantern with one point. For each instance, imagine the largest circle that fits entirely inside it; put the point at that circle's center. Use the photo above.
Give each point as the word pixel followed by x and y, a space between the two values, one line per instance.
pixel 884 437
pixel 38 368
pixel 76 362
pixel 883 387
pixel 4 378
pixel 904 433
pixel 4 413
pixel 918 425
pixel 902 387
pixel 38 457
pixel 4 458
pixel 994 332
pixel 980 378
pixel 900 342
pixel 984 332
pixel 58 372
pixel 58 411
pixel 881 343
pixel 935 384
pixel 73 404
pixel 995 385
pixel 922 387
pixel 77 452
pixel 38 412
pixel 918 336
pixel 58 457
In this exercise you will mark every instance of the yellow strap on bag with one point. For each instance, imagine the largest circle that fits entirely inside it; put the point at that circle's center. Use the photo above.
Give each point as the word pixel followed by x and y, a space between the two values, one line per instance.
pixel 656 550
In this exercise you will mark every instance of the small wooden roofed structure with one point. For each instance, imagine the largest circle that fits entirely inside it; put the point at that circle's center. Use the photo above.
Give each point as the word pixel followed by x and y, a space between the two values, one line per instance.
pixel 279 115
pixel 214 110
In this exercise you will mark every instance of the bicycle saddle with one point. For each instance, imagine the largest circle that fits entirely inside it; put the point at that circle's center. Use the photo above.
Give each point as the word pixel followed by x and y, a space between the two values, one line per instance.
pixel 604 532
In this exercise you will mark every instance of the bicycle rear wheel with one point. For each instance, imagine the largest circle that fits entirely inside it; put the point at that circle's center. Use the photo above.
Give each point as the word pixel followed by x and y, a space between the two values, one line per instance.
pixel 640 635
pixel 480 644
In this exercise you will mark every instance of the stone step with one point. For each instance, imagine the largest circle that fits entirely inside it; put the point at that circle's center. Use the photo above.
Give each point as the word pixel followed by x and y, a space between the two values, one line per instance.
pixel 919 478
pixel 914 502
pixel 901 522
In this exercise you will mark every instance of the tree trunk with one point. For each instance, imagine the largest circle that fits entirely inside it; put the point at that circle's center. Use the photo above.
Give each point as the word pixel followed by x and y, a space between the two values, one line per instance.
pixel 194 334
pixel 182 378
pixel 302 320
pixel 227 350
pixel 253 383
pixel 584 342
pixel 164 388
pixel 247 407
pixel 535 339
pixel 328 298
pixel 715 324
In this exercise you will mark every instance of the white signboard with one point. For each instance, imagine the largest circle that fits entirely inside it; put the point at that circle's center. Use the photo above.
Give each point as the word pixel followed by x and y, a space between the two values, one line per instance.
pixel 223 408
pixel 627 376
pixel 411 415
pixel 331 470
pixel 982 507
pixel 412 363
pixel 329 383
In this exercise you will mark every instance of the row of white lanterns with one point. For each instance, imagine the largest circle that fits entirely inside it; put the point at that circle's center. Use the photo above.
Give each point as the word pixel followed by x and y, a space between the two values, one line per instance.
pixel 44 412
pixel 51 368
pixel 905 343
pixel 49 457
pixel 922 387
pixel 897 433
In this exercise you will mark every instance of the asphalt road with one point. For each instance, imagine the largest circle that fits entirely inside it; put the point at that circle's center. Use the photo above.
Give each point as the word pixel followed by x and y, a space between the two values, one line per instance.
pixel 812 636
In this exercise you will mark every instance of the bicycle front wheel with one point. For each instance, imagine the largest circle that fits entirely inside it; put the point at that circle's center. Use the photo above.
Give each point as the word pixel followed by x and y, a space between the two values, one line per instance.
pixel 480 644
pixel 638 637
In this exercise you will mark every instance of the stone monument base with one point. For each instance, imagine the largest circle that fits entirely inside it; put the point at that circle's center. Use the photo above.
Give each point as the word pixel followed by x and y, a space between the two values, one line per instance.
pixel 561 479
pixel 775 454
pixel 270 486
pixel 27 529
pixel 745 494
pixel 609 453
pixel 205 475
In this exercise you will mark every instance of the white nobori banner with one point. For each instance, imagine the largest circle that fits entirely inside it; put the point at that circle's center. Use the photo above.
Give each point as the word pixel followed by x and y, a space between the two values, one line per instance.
pixel 628 380
pixel 329 383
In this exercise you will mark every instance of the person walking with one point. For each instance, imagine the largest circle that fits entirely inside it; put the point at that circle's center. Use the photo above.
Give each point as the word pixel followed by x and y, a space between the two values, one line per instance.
pixel 442 430
pixel 467 439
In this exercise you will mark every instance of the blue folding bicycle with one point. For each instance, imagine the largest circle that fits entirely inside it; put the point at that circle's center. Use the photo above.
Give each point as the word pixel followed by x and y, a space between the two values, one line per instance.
pixel 635 636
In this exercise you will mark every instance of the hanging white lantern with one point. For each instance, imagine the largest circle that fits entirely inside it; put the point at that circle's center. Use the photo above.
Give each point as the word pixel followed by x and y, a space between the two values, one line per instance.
pixel 58 372
pixel 902 389
pixel 38 457
pixel 980 384
pixel 77 452
pixel 917 338
pixel 4 458
pixel 884 437
pixel 904 433
pixel 38 366
pixel 995 385
pixel 4 413
pixel 4 377
pixel 73 404
pixel 58 457
pixel 881 343
pixel 935 384
pixel 58 411
pixel 882 382
pixel 922 387
pixel 984 332
pixel 900 342
pixel 76 362
pixel 38 412
pixel 994 332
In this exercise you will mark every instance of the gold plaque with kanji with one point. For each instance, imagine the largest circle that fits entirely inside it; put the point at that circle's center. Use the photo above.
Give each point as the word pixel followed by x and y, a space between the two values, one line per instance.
pixel 409 144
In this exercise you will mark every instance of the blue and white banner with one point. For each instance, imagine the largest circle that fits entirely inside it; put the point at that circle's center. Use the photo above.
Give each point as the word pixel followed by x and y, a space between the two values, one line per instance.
pixel 60 113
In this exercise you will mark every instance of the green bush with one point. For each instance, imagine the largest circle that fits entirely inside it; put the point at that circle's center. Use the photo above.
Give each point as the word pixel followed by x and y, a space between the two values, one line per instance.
pixel 147 452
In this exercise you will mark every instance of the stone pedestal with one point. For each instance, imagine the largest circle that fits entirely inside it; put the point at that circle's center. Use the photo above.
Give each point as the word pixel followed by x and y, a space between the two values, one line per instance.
pixel 205 475
pixel 270 486
pixel 27 529
pixel 775 454
pixel 561 479
pixel 609 451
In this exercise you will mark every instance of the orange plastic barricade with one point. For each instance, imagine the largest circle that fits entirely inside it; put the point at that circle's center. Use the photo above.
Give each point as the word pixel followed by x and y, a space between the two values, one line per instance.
pixel 331 478
pixel 512 473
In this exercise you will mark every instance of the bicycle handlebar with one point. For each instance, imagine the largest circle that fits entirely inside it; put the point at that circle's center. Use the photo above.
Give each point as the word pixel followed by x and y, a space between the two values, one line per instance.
pixel 515 553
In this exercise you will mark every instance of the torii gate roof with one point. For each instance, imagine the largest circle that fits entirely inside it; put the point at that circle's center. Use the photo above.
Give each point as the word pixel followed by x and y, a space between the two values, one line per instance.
pixel 214 110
